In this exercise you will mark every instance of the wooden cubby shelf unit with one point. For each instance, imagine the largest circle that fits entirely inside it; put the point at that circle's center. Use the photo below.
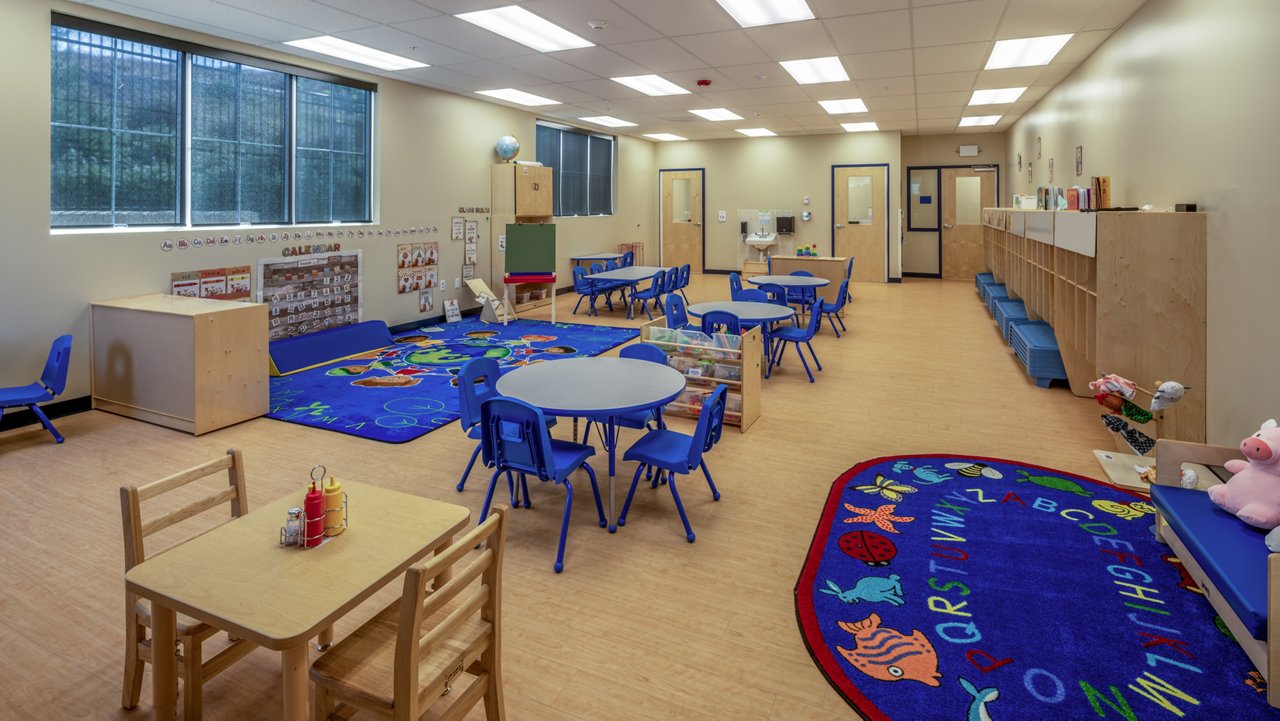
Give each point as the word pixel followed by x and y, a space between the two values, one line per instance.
pixel 743 393
pixel 1124 292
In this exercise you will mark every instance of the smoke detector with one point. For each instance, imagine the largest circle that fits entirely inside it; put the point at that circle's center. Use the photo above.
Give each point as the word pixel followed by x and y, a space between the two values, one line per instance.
pixel 597 24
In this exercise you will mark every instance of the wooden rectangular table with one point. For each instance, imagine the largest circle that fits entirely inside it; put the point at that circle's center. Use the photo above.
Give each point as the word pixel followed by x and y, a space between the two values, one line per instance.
pixel 238 578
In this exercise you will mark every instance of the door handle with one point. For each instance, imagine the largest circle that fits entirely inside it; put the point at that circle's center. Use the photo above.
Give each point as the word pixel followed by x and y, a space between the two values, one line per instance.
pixel 946 225
pixel 839 225
pixel 698 224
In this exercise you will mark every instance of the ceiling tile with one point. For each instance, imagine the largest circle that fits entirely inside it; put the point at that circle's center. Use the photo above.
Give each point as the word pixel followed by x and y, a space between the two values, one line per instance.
pixel 688 79
pixel 963 22
pixel 942 100
pixel 453 7
pixel 837 8
pixel 1009 77
pixel 328 20
pixel 548 68
pixel 786 93
pixel 445 78
pixel 572 15
pixel 954 112
pixel 855 34
pixel 455 33
pixel 1029 18
pixel 819 124
pixel 1051 75
pixel 498 75
pixel 563 93
pixel 731 47
pixel 945 82
pixel 385 11
pixel 891 102
pixel 887 64
pixel 600 61
pixel 759 75
pixel 1112 14
pixel 603 88
pixel 729 98
pixel 793 41
pixel 952 58
pixel 900 125
pixel 217 17
pixel 263 37
pixel 398 42
pixel 1081 46
pixel 658 56
pixel 881 87
pixel 680 17
pixel 888 115
pixel 936 126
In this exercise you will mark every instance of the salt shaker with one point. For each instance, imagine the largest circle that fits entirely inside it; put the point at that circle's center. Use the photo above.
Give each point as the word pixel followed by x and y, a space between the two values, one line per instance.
pixel 293 527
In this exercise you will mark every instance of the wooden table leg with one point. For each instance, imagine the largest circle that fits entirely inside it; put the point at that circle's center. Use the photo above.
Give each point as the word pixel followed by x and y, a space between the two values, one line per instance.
pixel 164 662
pixel 293 677
pixel 325 640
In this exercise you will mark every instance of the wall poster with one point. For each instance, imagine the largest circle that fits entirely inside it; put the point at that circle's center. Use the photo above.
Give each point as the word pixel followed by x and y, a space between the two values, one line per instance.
pixel 310 293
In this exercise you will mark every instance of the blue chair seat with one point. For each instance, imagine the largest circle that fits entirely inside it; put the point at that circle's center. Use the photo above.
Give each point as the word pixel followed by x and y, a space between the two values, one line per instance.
pixel 791 334
pixel 1232 553
pixel 22 395
pixel 568 457
pixel 661 448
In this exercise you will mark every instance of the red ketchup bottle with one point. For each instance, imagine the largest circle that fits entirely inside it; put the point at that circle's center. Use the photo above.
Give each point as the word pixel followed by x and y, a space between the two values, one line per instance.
pixel 313 509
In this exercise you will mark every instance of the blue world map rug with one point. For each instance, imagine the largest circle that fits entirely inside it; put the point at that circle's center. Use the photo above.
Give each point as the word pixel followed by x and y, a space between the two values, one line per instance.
pixel 978 589
pixel 406 390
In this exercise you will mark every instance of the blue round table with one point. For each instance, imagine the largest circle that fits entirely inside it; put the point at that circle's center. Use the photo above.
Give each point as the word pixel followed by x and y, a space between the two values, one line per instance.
pixel 750 312
pixel 577 387
pixel 790 281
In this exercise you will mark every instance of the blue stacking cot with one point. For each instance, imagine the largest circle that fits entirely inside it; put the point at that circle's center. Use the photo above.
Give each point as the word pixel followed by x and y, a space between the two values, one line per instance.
pixel 982 279
pixel 1009 311
pixel 995 292
pixel 1037 348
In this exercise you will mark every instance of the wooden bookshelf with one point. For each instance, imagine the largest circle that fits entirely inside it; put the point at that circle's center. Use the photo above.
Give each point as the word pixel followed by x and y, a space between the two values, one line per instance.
pixel 743 391
pixel 1124 292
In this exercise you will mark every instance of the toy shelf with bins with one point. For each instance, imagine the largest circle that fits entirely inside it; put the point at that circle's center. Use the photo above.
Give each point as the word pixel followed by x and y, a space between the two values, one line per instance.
pixel 1124 292
pixel 733 361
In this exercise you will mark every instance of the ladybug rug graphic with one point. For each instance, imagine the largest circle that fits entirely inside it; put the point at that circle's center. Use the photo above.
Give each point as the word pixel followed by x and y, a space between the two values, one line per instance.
pixel 978 589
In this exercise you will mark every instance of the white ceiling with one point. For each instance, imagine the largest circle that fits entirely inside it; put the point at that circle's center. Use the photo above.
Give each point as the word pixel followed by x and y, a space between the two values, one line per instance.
pixel 914 62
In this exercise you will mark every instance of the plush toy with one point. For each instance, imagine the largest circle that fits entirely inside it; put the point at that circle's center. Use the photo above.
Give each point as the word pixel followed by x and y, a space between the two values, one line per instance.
pixel 1253 493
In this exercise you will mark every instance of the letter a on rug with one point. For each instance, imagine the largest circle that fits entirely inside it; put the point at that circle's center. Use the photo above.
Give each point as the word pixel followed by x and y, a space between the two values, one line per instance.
pixel 966 588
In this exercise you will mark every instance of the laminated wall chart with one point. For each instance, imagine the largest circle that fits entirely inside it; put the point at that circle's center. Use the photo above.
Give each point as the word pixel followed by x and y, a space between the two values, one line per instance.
pixel 310 293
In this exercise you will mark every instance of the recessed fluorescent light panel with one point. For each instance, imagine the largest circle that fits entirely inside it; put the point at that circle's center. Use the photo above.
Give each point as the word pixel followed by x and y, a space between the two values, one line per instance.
pixel 663 136
pixel 651 85
pixel 754 13
pixel 717 114
pixel 979 120
pixel 516 23
pixel 839 107
pixel 859 127
pixel 816 70
pixel 1025 52
pixel 339 48
pixel 520 97
pixel 756 132
pixel 998 96
pixel 609 121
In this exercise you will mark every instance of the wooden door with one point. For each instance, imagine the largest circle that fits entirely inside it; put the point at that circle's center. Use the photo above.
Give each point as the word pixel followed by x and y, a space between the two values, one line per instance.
pixel 861 226
pixel 681 218
pixel 965 192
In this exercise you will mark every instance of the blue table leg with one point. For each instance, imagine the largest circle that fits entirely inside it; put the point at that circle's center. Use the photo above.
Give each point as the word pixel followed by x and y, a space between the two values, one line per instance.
pixel 611 444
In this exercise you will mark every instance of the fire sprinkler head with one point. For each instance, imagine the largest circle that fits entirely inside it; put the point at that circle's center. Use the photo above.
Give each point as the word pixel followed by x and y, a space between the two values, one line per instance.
pixel 597 24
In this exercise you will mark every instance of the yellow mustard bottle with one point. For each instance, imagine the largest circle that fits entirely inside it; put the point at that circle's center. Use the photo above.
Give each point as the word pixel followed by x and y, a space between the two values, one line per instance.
pixel 333 498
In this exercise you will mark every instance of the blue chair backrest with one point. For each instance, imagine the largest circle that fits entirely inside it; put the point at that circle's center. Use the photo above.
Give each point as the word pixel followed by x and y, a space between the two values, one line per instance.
pixel 686 274
pixel 645 352
pixel 514 437
pixel 597 268
pixel 815 319
pixel 54 376
pixel 752 295
pixel 768 264
pixel 710 424
pixel 677 316
pixel 629 259
pixel 658 283
pixel 840 298
pixel 611 264
pixel 803 273
pixel 849 271
pixel 580 282
pixel 775 293
pixel 716 319
pixel 477 383
pixel 673 280
pixel 735 286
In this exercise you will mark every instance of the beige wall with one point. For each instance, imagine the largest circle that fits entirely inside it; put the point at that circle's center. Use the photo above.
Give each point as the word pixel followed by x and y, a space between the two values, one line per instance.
pixel 433 155
pixel 920 250
pixel 776 174
pixel 1180 106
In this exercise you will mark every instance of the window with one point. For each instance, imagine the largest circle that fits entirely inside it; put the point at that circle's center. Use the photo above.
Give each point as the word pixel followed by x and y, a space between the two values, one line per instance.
pixel 583 164
pixel 268 142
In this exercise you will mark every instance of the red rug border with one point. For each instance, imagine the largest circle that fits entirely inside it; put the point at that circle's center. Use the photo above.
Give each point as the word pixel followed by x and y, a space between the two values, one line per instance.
pixel 826 661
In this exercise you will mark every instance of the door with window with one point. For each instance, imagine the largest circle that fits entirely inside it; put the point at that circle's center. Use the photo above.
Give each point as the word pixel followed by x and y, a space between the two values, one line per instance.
pixel 682 218
pixel 965 192
pixel 861 227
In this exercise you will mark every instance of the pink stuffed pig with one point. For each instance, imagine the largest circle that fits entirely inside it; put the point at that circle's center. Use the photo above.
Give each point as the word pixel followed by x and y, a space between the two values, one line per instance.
pixel 1253 493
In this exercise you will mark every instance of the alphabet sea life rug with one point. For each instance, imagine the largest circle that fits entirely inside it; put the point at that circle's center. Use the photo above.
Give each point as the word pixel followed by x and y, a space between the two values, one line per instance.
pixel 406 390
pixel 965 588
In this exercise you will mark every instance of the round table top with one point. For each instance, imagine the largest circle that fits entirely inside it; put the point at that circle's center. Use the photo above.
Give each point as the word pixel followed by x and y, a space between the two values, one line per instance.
pixel 590 386
pixel 747 311
pixel 790 281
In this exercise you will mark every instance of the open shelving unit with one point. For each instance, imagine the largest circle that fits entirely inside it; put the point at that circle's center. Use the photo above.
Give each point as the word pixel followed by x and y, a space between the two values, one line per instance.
pixel 1124 292
pixel 704 367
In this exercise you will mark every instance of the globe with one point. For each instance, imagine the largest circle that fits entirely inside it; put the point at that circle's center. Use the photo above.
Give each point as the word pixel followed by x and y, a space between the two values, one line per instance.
pixel 508 147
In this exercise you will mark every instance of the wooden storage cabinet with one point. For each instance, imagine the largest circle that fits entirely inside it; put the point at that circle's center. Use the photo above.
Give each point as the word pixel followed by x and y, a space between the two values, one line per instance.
pixel 192 364
pixel 519 194
pixel 738 370
pixel 1124 292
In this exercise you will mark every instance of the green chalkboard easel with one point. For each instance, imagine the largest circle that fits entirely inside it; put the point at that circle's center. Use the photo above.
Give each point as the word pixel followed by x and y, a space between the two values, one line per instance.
pixel 531 248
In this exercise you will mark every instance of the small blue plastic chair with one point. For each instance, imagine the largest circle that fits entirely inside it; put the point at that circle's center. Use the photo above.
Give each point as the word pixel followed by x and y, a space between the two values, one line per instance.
pixel 832 310
pixel 801 296
pixel 721 321
pixel 628 259
pixel 611 264
pixel 686 275
pixel 477 383
pixel 677 315
pixel 53 381
pixel 638 420
pixel 848 274
pixel 516 440
pixel 678 453
pixel 797 335
pixel 752 295
pixel 652 293
pixel 735 286
pixel 585 289
pixel 672 283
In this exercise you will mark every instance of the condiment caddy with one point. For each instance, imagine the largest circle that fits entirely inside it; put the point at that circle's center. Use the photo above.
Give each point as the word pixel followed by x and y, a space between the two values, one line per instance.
pixel 323 513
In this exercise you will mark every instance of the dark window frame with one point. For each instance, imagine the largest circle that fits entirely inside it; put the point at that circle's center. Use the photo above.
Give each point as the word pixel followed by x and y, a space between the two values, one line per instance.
pixel 587 174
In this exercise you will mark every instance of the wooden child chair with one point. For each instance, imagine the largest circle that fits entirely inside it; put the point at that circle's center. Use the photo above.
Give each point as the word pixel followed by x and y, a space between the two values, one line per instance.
pixel 410 655
pixel 192 667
